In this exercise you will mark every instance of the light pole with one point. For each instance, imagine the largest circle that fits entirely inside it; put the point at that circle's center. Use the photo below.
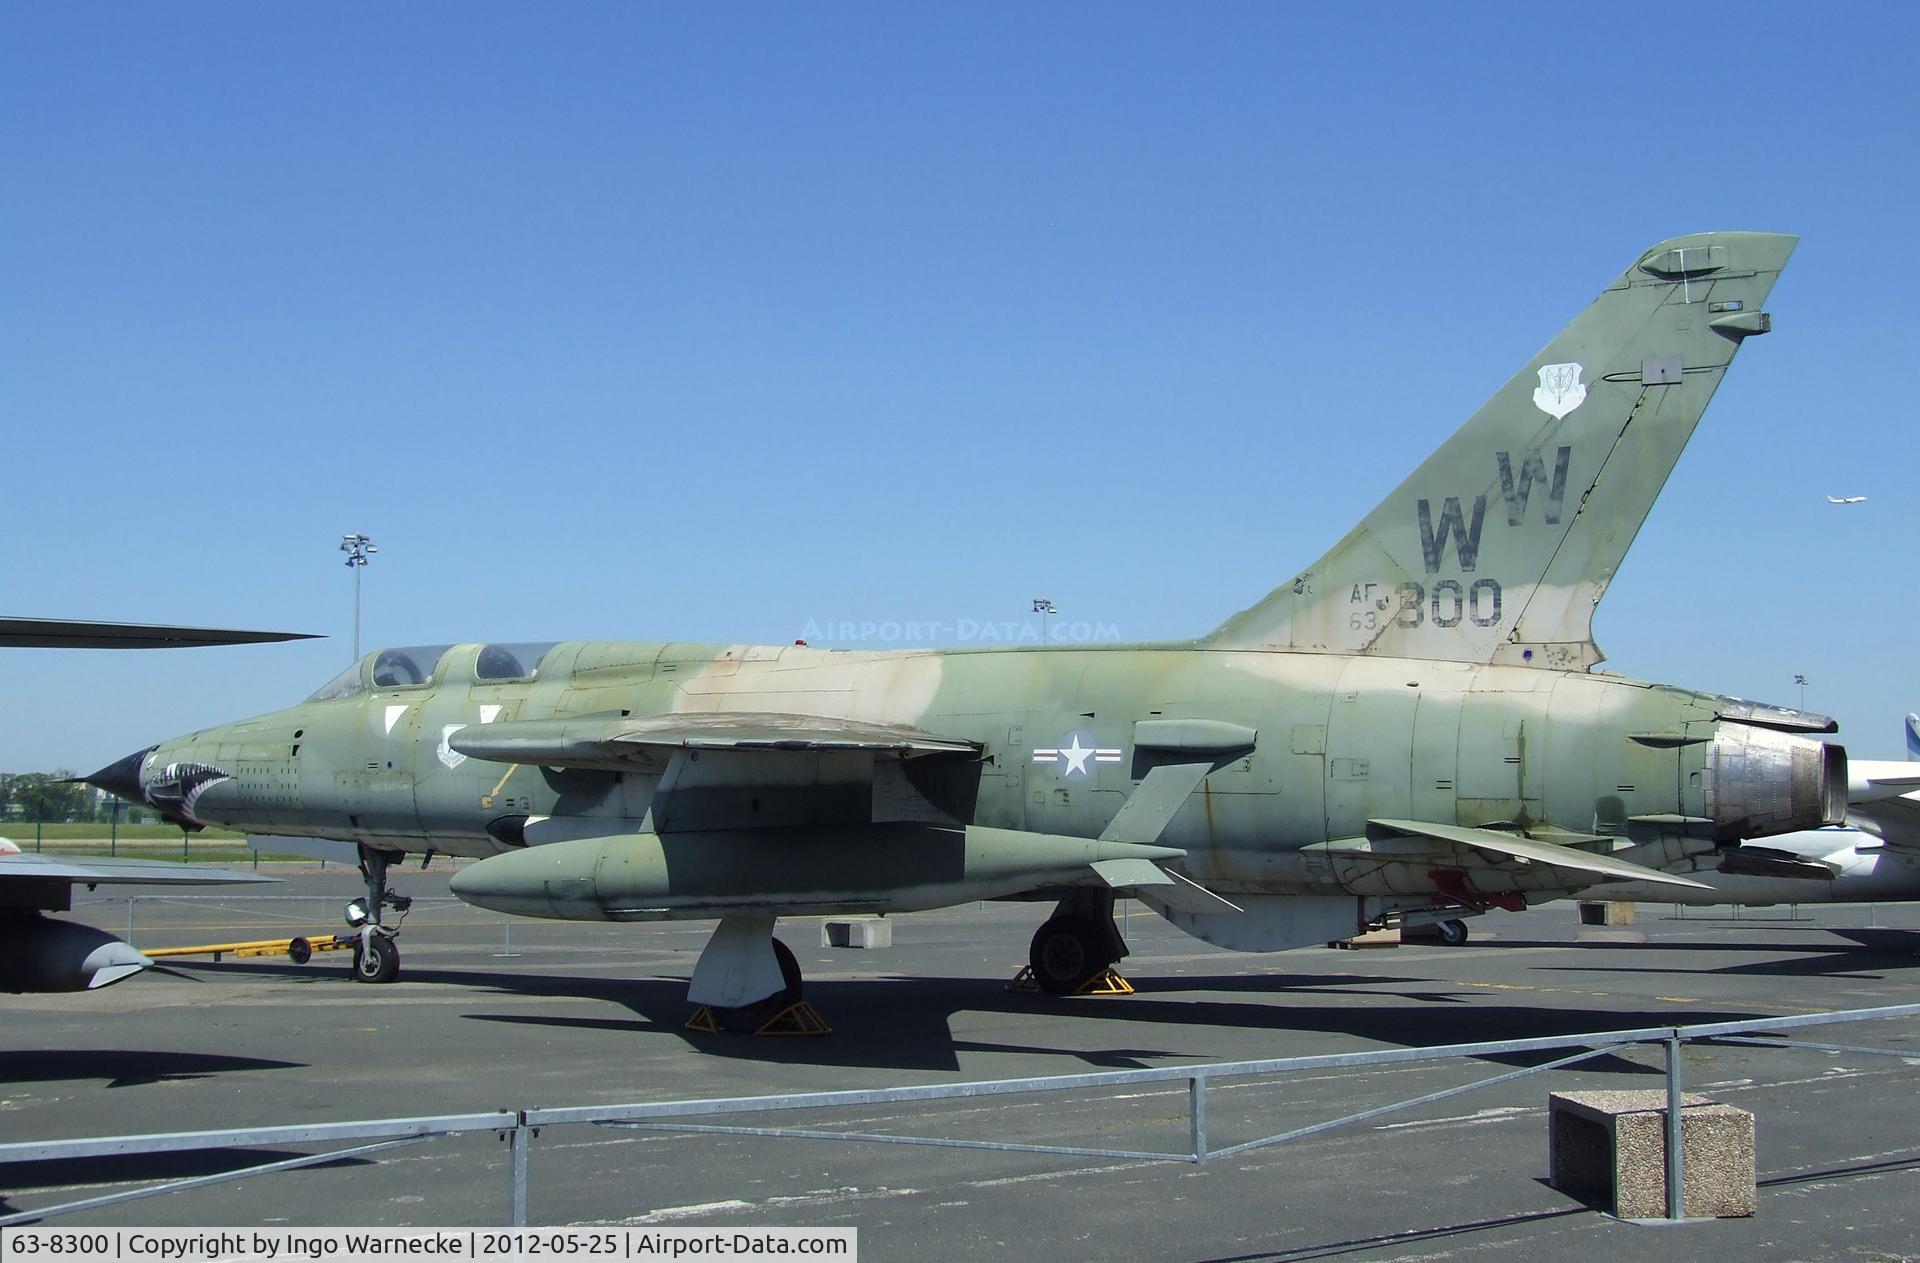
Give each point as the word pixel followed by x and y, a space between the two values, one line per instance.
pixel 1043 607
pixel 358 549
pixel 1801 680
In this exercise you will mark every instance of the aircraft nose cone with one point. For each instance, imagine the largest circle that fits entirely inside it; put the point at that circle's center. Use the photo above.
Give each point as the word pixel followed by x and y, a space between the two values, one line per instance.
pixel 122 778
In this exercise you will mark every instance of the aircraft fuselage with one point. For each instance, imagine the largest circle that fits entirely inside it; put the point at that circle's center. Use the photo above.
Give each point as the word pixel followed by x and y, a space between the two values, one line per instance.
pixel 1341 740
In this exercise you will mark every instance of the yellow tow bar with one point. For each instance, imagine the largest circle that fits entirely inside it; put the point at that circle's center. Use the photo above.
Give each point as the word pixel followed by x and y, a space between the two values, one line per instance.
pixel 299 949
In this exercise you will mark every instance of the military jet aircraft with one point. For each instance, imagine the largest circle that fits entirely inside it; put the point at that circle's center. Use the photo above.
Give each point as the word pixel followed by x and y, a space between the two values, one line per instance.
pixel 1406 730
pixel 41 953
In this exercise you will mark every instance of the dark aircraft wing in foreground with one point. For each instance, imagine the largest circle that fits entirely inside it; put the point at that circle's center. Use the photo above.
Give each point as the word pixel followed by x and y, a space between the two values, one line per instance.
pixel 40 953
pixel 69 633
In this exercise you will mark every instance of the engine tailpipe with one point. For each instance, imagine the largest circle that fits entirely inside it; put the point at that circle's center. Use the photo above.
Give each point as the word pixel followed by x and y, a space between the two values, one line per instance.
pixel 1764 782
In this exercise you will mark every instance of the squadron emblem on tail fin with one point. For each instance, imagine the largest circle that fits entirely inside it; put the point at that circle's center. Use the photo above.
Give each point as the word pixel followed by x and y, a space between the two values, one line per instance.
pixel 1560 390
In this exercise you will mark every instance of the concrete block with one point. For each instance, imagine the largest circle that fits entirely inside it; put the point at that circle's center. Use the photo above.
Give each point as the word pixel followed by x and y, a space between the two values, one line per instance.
pixel 1372 938
pixel 1611 912
pixel 856 932
pixel 1610 922
pixel 1610 1149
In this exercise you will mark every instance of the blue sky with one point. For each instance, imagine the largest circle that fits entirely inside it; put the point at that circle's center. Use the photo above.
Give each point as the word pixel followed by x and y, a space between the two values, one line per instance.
pixel 661 322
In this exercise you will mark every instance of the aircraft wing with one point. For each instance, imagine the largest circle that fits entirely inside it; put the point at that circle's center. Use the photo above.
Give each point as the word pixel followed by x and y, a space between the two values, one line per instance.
pixel 621 742
pixel 1514 847
pixel 1884 796
pixel 67 633
pixel 118 872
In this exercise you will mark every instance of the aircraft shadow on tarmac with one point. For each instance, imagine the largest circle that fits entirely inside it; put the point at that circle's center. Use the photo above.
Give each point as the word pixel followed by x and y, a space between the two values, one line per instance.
pixel 139 1168
pixel 1893 943
pixel 905 1023
pixel 1869 950
pixel 125 1068
pixel 1401 1238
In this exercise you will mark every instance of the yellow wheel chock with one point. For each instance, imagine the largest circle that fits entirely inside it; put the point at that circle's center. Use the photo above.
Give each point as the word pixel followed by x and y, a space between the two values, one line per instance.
pixel 1107 982
pixel 796 1019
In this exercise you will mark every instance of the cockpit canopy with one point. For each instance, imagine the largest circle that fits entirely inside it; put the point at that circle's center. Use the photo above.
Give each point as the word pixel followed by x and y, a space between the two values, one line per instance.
pixel 510 662
pixel 415 665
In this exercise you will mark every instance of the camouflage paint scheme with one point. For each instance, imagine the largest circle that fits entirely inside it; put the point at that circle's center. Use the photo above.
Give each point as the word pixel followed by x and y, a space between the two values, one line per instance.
pixel 1408 729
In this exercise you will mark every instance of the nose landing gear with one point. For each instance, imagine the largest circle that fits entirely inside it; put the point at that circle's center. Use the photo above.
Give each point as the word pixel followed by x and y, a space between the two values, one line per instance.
pixel 376 957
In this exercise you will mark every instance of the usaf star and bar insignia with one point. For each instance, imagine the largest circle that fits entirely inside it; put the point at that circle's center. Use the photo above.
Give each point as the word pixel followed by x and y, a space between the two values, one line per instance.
pixel 1073 757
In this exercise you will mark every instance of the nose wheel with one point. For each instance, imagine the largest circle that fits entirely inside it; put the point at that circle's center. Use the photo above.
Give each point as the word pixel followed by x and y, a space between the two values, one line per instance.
pixel 376 957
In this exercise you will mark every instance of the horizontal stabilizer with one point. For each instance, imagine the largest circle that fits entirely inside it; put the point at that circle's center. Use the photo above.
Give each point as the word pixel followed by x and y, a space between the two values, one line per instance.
pixel 1872 779
pixel 1513 846
pixel 621 742
pixel 1884 796
pixel 1760 861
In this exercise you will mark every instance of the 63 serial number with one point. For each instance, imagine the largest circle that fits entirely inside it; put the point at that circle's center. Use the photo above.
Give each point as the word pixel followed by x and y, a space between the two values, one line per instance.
pixel 1411 604
pixel 62 1243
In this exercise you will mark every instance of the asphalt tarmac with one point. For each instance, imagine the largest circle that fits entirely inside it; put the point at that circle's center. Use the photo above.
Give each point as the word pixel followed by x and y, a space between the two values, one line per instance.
pixel 488 1016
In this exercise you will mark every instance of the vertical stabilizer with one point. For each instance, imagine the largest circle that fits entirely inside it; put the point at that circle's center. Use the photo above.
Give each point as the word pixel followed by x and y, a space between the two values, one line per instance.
pixel 1500 545
pixel 1913 736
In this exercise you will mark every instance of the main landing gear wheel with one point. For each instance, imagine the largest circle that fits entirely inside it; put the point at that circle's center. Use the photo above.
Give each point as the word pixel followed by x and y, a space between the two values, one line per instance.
pixel 376 958
pixel 751 1017
pixel 1067 953
pixel 1453 933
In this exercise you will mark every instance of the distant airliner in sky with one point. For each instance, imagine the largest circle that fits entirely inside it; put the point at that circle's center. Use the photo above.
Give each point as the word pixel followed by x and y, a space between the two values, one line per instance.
pixel 1846 499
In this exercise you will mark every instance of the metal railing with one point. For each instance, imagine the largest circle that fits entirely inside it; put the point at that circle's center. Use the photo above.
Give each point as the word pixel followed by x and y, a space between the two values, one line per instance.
pixel 279 911
pixel 520 1127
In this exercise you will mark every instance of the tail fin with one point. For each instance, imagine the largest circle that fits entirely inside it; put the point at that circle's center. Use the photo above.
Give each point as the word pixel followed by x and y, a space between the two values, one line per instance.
pixel 1913 736
pixel 1500 545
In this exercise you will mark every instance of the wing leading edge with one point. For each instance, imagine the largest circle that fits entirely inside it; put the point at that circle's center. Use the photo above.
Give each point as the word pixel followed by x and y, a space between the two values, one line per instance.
pixel 620 742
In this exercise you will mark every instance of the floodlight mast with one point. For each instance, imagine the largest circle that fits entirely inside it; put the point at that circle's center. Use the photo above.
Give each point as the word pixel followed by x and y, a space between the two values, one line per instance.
pixel 358 548
pixel 1043 607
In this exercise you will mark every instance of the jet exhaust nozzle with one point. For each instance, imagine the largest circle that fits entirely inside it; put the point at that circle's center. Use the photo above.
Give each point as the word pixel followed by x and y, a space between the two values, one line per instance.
pixel 1765 782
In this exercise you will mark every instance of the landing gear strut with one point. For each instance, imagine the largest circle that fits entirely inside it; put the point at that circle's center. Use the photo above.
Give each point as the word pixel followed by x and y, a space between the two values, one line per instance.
pixel 748 980
pixel 376 958
pixel 1077 944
